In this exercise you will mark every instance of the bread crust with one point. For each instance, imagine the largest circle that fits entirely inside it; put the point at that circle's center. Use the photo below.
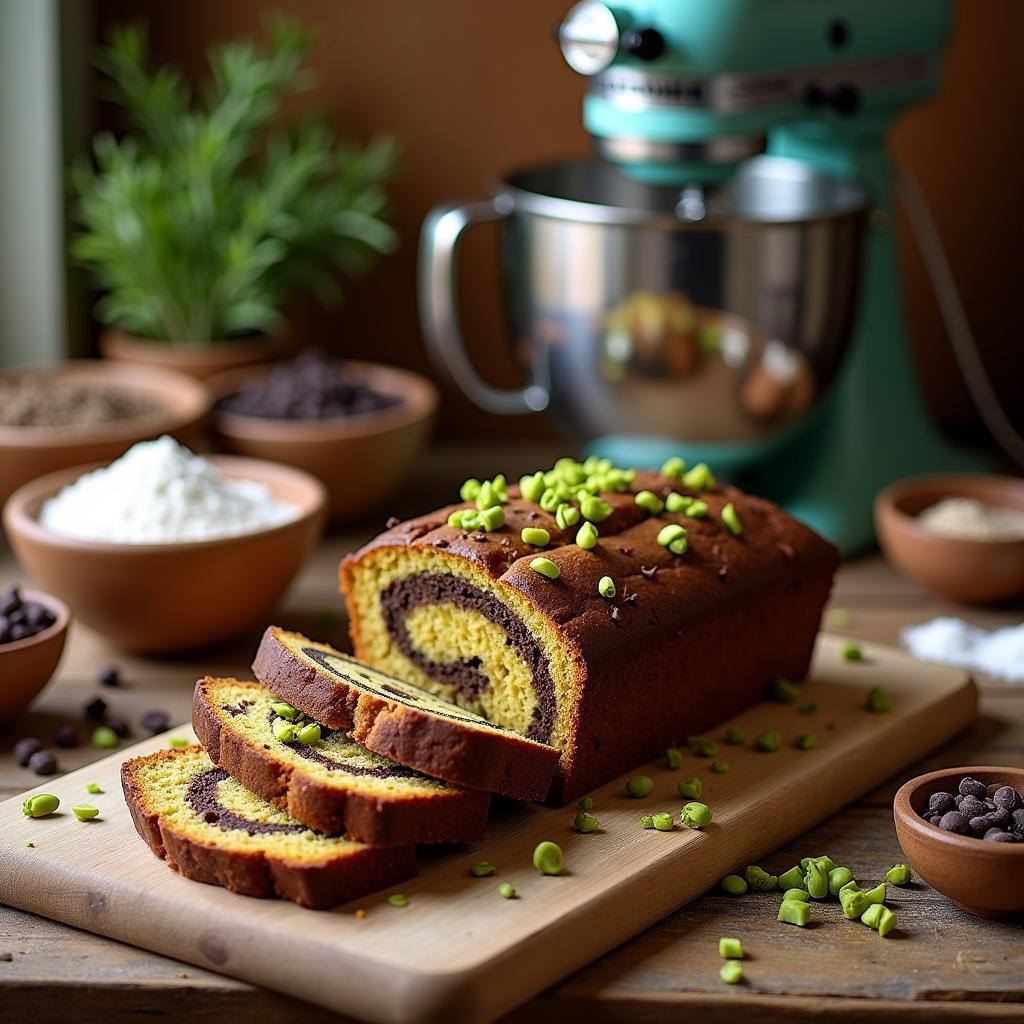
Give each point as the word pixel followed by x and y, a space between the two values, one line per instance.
pixel 451 816
pixel 446 748
pixel 320 885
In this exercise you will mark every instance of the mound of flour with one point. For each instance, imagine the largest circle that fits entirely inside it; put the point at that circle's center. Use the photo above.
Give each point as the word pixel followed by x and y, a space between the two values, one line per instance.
pixel 997 652
pixel 159 492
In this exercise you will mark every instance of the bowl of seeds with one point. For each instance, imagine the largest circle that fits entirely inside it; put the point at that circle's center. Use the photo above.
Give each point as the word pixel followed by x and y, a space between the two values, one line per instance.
pixel 33 626
pixel 962 830
pixel 67 414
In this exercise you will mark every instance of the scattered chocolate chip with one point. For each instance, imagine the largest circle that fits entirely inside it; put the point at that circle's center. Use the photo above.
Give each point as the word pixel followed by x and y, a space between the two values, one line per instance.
pixel 996 836
pixel 109 676
pixel 20 618
pixel 648 571
pixel 442 543
pixel 954 821
pixel 392 522
pixel 66 736
pixel 156 721
pixel 971 806
pixel 1006 796
pixel 972 787
pixel 42 762
pixel 25 748
pixel 1017 821
pixel 96 709
pixel 939 803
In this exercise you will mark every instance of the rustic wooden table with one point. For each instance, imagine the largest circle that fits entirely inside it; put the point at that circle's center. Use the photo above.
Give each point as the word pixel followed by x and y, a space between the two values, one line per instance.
pixel 943 964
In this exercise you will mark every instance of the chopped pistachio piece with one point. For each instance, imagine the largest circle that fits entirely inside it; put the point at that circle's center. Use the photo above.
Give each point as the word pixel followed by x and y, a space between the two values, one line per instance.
pixel 531 487
pixel 734 885
pixel 878 699
pixel 535 536
pixel 730 949
pixel 784 691
pixel 673 468
pixel 731 519
pixel 586 536
pixel 731 972
pixel 794 912
pixel 546 568
pixel 676 502
pixel 690 788
pixel 650 501
pixel 697 509
pixel 566 515
pixel 606 587
pixel 700 478
pixel 595 509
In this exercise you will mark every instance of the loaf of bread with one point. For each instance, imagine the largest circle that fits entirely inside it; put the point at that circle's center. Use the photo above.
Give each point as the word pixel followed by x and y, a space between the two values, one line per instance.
pixel 332 783
pixel 409 725
pixel 211 829
pixel 710 594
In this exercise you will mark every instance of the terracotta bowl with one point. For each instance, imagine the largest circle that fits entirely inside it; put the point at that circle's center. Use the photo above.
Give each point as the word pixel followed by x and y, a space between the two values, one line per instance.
pixel 968 571
pixel 197 361
pixel 26 666
pixel 362 460
pixel 29 452
pixel 984 878
pixel 158 598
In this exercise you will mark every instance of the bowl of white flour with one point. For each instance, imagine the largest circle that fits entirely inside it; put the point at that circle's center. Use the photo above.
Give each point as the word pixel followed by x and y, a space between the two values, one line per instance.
pixel 165 550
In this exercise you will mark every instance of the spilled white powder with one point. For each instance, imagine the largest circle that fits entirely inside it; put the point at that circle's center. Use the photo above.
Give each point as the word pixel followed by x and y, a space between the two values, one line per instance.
pixel 997 652
pixel 159 492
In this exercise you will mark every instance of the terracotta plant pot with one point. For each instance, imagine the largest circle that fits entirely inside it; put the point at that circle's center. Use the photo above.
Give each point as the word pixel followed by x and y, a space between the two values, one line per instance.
pixel 199 361
pixel 28 452
pixel 362 460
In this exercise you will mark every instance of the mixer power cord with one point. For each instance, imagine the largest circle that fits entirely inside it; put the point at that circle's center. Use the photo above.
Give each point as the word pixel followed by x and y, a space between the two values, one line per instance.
pixel 965 349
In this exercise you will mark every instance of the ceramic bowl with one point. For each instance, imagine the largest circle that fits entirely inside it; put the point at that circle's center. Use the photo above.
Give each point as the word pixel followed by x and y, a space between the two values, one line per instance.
pixel 967 571
pixel 159 598
pixel 361 460
pixel 26 666
pixel 29 452
pixel 984 878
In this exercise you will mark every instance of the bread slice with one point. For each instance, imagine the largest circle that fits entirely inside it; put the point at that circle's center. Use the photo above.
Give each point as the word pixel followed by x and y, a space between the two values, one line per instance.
pixel 335 784
pixel 211 829
pixel 401 721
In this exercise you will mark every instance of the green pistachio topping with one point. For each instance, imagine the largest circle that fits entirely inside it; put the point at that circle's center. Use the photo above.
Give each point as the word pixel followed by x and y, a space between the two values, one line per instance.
pixel 492 518
pixel 650 501
pixel 639 786
pixel 585 803
pixel 606 587
pixel 805 741
pixel 697 509
pixel 470 489
pixel 676 502
pixel 546 568
pixel 767 741
pixel 93 787
pixel 532 486
pixel 734 885
pixel 720 767
pixel 794 912
pixel 85 812
pixel 308 733
pixel 483 868
pixel 40 805
pixel 488 497
pixel 700 478
pixel 876 895
pixel 704 747
pixel 796 893
pixel 784 691
pixel 731 518
pixel 759 879
pixel 695 815
pixel 816 881
pixel 730 949
pixel 878 699
pixel 690 788
pixel 548 858
pixel 285 710
pixel 837 878
pixel 673 468
pixel 882 919
pixel 674 757
pixel 398 900
pixel 679 546
pixel 283 730
pixel 551 499
pixel 566 515
pixel 536 536
pixel 731 972
pixel 177 741
pixel 664 822
pixel 595 509
pixel 464 519
pixel 647 821
pixel 507 891
pixel 793 878
pixel 104 737
pixel 585 822
pixel 735 737
pixel 898 874
pixel 853 902
pixel 669 534
pixel 586 536
pixel 851 651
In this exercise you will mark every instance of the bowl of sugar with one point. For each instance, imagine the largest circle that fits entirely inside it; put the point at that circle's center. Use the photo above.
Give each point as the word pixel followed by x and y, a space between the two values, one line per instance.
pixel 164 550
pixel 960 535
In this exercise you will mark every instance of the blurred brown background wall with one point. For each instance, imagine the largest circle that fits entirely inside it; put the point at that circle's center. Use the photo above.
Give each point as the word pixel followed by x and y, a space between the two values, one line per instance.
pixel 474 88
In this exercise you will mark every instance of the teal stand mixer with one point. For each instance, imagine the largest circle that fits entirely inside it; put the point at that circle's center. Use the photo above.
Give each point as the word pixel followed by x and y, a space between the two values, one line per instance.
pixel 722 283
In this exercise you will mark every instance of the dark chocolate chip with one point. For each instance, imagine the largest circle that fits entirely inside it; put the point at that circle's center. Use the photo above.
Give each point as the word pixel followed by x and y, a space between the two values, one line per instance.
pixel 997 836
pixel 972 787
pixel 648 571
pixel 156 721
pixel 939 803
pixel 66 736
pixel 25 748
pixel 96 709
pixel 954 821
pixel 109 676
pixel 42 762
pixel 119 725
pixel 1006 796
pixel 1017 821
pixel 972 807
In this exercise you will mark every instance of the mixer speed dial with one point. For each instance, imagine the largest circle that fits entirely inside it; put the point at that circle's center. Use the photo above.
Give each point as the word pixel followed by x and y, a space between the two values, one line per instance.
pixel 589 37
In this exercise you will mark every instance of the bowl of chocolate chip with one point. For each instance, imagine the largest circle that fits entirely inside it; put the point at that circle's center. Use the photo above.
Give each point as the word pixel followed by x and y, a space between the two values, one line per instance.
pixel 67 414
pixel 357 426
pixel 33 626
pixel 962 830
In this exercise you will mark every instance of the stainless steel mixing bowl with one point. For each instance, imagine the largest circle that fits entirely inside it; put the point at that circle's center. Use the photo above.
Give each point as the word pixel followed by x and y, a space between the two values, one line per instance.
pixel 708 315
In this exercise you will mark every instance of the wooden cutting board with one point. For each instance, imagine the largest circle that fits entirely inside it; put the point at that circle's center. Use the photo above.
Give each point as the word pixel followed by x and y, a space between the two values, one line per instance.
pixel 458 951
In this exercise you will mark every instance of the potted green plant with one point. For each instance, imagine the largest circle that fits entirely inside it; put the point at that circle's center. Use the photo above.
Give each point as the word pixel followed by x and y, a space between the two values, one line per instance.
pixel 203 223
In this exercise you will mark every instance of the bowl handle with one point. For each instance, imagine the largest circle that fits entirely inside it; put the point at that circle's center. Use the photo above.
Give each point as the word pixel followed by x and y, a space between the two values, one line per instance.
pixel 438 299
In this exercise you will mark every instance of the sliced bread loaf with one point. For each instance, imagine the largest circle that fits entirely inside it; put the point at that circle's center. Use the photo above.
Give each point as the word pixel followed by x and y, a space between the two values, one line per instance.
pixel 211 829
pixel 333 784
pixel 401 721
